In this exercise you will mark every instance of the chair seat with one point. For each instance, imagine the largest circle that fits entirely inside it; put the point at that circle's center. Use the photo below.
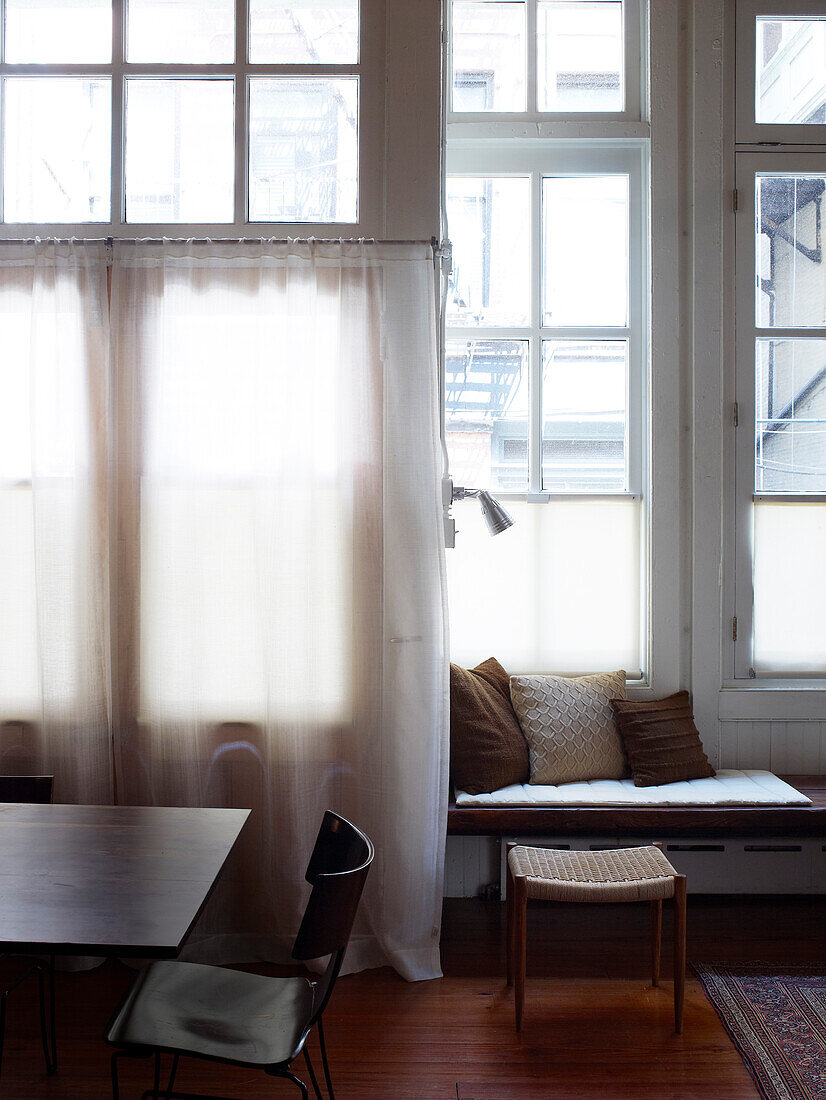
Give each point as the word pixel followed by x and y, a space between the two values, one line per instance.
pixel 214 1012
pixel 624 874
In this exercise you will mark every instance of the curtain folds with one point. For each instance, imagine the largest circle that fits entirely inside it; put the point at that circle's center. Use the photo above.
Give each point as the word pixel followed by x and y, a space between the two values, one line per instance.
pixel 260 496
pixel 55 703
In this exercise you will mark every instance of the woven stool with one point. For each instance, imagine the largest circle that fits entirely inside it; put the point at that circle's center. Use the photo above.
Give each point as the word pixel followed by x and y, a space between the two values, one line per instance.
pixel 623 874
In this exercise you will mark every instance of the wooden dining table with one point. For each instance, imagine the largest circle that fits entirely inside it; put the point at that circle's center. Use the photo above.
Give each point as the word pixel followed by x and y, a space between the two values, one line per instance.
pixel 108 880
pixel 125 881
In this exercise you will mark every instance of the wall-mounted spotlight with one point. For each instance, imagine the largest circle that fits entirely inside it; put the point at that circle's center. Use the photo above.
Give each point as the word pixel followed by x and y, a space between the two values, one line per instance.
pixel 496 518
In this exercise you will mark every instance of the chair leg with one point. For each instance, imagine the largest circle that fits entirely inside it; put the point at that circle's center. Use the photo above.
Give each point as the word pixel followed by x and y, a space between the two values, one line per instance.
pixel 171 1083
pixel 325 1064
pixel 656 940
pixel 51 1061
pixel 113 1063
pixel 156 1088
pixel 3 999
pixel 509 918
pixel 679 951
pixel 520 905
pixel 311 1072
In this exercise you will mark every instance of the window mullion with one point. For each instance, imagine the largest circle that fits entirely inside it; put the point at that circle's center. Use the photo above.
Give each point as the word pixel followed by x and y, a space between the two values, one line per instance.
pixel 2 104
pixel 241 109
pixel 535 350
pixel 118 177
pixel 531 47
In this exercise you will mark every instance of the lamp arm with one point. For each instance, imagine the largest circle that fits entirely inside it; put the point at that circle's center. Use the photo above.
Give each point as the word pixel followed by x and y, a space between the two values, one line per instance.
pixel 459 492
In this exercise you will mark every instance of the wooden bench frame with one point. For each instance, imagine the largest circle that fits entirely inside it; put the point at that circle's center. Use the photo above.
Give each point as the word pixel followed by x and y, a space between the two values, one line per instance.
pixel 635 821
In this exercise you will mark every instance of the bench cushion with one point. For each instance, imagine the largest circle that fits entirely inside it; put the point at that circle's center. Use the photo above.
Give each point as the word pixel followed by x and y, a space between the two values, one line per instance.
pixel 728 787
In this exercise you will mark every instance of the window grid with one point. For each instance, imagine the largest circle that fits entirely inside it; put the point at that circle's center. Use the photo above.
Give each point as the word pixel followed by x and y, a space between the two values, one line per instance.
pixel 240 72
pixel 591 162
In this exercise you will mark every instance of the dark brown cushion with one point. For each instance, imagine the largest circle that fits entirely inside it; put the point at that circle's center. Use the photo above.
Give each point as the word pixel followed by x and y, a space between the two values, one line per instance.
pixel 661 740
pixel 487 748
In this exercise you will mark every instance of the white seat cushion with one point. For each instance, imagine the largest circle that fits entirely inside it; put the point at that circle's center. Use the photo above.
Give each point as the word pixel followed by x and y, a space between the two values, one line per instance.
pixel 727 788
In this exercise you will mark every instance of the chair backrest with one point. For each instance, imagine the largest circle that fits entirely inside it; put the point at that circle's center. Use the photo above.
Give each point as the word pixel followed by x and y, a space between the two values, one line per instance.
pixel 26 788
pixel 337 871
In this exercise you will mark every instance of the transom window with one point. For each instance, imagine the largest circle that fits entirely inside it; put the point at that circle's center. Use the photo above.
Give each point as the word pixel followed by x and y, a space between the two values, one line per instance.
pixel 185 112
pixel 562 57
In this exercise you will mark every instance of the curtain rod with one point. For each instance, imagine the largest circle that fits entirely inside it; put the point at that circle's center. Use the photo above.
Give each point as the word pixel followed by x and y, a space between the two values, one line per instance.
pixel 215 240
pixel 440 249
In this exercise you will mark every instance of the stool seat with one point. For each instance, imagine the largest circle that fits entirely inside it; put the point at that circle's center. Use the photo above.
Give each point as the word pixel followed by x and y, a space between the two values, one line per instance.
pixel 615 874
pixel 623 874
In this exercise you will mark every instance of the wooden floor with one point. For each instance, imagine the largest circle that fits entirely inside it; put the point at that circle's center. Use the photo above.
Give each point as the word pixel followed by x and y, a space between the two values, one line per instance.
pixel 594 1027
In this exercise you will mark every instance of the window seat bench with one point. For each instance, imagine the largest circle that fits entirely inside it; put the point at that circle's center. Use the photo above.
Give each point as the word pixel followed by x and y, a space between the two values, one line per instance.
pixel 723 849
pixel 576 818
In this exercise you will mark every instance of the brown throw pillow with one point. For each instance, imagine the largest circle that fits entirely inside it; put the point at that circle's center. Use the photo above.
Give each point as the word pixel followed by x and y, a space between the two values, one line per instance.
pixel 487 749
pixel 661 740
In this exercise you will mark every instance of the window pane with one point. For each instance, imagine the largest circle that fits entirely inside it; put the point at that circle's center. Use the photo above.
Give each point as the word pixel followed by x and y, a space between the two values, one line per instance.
pixel 791 290
pixel 584 418
pixel 54 31
pixel 585 250
pixel 489 221
pixel 789 593
pixel 179 150
pixel 580 55
pixel 313 32
pixel 190 31
pixel 790 425
pixel 791 76
pixel 304 150
pixel 488 55
pixel 559 590
pixel 486 413
pixel 57 149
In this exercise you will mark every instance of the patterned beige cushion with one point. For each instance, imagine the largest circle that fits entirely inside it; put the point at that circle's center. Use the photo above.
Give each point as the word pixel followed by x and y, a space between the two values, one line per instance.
pixel 569 726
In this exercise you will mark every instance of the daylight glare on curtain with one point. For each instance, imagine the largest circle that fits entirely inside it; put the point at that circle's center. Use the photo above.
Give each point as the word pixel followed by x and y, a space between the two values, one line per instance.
pixel 280 606
pixel 54 672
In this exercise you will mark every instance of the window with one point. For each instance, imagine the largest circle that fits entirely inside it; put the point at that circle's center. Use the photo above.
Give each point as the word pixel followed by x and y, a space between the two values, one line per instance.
pixel 124 113
pixel 561 57
pixel 781 76
pixel 781 349
pixel 546 333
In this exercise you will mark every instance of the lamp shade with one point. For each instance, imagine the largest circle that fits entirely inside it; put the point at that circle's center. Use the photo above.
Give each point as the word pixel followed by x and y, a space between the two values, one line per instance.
pixel 495 515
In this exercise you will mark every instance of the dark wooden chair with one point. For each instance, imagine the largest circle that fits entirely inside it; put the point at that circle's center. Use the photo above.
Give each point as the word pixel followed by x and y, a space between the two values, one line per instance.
pixel 38 789
pixel 242 1019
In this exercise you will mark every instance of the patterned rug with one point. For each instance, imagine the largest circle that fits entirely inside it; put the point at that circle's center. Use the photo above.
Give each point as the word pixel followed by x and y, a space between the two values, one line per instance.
pixel 776 1017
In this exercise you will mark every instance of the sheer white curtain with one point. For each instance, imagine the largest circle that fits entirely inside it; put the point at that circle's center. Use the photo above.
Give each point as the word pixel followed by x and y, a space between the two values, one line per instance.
pixel 280 637
pixel 54 614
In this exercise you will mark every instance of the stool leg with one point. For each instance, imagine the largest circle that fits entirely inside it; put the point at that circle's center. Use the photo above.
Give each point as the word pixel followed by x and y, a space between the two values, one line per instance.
pixel 520 904
pixel 656 939
pixel 509 926
pixel 679 951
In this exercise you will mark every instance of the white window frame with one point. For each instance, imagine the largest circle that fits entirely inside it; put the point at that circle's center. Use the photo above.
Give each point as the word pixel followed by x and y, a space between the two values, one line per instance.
pixel 748 166
pixel 633 109
pixel 747 129
pixel 370 69
pixel 536 160
pixel 535 143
